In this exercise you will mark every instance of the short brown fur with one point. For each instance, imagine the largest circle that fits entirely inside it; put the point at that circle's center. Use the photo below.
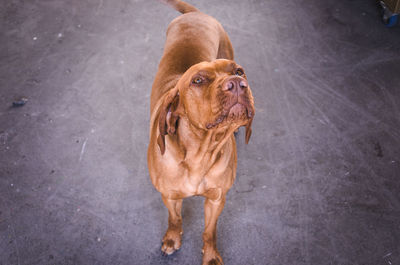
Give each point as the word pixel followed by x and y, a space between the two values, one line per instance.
pixel 199 98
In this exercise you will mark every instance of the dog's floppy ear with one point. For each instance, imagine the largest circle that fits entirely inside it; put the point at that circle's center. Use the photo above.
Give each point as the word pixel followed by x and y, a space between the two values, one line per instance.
pixel 168 119
pixel 248 131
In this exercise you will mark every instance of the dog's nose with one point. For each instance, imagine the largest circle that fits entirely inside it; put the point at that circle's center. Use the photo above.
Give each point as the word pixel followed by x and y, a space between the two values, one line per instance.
pixel 235 85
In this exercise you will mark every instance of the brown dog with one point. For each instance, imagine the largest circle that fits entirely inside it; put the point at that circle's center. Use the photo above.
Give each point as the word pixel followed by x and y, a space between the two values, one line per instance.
pixel 200 96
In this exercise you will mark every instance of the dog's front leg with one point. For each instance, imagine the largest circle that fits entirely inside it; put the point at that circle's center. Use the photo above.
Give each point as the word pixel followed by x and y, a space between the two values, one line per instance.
pixel 212 210
pixel 172 238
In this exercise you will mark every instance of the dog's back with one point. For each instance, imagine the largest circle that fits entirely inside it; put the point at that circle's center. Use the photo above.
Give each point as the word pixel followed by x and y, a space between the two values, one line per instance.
pixel 192 38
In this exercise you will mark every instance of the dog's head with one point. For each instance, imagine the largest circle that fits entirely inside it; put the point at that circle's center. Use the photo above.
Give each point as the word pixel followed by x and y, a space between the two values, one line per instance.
pixel 212 95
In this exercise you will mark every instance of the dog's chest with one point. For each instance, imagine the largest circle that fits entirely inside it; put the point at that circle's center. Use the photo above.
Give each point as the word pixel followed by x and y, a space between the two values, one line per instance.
pixel 191 187
pixel 184 186
pixel 193 181
pixel 198 180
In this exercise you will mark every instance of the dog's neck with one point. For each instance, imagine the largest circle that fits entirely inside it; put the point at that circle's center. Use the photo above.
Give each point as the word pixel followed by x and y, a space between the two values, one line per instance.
pixel 201 148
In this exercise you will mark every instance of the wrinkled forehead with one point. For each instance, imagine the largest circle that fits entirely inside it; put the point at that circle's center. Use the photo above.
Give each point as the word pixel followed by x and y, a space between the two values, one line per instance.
pixel 216 66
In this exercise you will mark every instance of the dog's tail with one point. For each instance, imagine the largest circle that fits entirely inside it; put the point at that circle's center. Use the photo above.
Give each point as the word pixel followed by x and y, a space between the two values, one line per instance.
pixel 180 6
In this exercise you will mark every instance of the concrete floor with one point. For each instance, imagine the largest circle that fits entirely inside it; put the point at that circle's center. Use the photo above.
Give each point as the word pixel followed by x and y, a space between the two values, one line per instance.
pixel 318 183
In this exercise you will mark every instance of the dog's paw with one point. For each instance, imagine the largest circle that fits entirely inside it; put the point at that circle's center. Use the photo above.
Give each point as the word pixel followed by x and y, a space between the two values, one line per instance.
pixel 212 257
pixel 171 242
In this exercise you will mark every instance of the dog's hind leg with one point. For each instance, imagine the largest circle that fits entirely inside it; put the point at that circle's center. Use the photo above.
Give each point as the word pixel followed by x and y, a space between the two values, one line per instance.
pixel 225 50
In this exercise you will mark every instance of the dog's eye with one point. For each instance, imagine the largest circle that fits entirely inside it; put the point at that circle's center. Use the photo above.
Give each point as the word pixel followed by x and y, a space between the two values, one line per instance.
pixel 239 72
pixel 197 80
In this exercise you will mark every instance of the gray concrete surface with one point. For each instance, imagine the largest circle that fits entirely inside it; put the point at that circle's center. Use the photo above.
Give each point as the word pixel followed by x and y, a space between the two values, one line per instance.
pixel 318 183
